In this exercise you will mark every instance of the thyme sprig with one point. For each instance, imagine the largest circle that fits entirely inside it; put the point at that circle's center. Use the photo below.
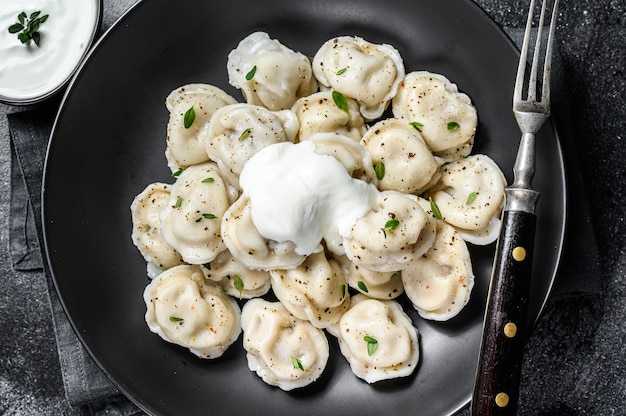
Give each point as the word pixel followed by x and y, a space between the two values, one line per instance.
pixel 27 27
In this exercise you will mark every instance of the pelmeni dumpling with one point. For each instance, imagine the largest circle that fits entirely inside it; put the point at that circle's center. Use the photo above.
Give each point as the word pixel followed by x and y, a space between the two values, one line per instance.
pixel 447 119
pixel 351 154
pixel 145 210
pixel 316 290
pixel 190 221
pixel 391 235
pixel 358 69
pixel 318 113
pixel 470 196
pixel 378 339
pixel 283 350
pixel 268 73
pixel 238 131
pixel 236 279
pixel 377 285
pixel 248 246
pixel 409 165
pixel 439 284
pixel 184 147
pixel 184 309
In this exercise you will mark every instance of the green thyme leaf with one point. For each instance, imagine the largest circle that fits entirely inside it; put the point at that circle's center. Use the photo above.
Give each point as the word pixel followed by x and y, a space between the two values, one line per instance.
pixel 453 125
pixel 341 71
pixel 340 101
pixel 343 291
pixel 189 117
pixel 179 202
pixel 36 38
pixel 471 197
pixel 251 73
pixel 394 276
pixel 178 172
pixel 296 363
pixel 209 216
pixel 372 344
pixel 379 168
pixel 417 125
pixel 435 209
pixel 14 28
pixel 391 225
pixel 362 286
pixel 208 180
pixel 176 319
pixel 238 284
pixel 244 134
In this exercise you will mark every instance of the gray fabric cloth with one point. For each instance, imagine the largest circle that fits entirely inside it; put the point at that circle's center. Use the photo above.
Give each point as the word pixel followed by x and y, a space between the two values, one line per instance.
pixel 86 386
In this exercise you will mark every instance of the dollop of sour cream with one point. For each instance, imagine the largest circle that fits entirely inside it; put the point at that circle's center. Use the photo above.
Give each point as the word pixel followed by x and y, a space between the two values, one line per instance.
pixel 301 196
pixel 28 72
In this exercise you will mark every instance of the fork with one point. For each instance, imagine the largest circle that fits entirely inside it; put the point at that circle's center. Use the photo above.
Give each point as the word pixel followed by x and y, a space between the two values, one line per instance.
pixel 496 388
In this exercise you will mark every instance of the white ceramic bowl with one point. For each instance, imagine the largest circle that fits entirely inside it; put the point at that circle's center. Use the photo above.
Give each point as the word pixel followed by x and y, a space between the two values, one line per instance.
pixel 29 73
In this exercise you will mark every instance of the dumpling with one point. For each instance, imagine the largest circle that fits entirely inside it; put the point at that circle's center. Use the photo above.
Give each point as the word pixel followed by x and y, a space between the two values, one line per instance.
pixel 247 245
pixel 238 131
pixel 145 210
pixel 190 221
pixel 184 147
pixel 351 154
pixel 318 113
pixel 236 279
pixel 358 69
pixel 446 117
pixel 439 284
pixel 182 308
pixel 470 196
pixel 283 350
pixel 391 235
pixel 377 285
pixel 316 290
pixel 409 165
pixel 378 339
pixel 268 73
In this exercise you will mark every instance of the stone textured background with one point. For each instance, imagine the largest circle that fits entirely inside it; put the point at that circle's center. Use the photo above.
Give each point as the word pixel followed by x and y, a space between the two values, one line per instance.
pixel 575 360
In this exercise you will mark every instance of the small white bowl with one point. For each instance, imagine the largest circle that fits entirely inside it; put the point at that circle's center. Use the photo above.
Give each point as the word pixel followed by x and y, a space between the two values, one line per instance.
pixel 30 74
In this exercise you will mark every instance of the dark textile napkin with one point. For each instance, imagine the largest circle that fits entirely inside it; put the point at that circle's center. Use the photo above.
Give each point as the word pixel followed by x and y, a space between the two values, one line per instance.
pixel 85 384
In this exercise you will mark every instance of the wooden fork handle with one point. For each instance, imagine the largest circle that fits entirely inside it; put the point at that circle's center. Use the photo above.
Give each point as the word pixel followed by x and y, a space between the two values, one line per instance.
pixel 496 389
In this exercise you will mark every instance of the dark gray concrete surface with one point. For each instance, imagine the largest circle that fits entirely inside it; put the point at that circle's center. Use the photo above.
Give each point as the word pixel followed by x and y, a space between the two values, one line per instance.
pixel 574 362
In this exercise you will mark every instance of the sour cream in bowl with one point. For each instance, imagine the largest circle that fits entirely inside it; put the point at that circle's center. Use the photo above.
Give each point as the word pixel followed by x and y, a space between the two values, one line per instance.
pixel 31 73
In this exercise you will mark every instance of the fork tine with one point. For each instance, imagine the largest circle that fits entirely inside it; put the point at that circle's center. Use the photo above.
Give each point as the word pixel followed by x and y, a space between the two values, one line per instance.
pixel 532 82
pixel 521 68
pixel 547 68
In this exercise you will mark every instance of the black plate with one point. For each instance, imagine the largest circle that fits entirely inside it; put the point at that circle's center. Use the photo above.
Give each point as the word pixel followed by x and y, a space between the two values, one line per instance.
pixel 108 144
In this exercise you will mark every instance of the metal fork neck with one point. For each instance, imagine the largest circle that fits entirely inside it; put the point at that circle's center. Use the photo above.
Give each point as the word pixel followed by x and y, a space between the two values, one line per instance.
pixel 520 195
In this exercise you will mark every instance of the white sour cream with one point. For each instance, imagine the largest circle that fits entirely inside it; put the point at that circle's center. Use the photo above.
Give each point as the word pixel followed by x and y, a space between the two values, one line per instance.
pixel 300 196
pixel 28 72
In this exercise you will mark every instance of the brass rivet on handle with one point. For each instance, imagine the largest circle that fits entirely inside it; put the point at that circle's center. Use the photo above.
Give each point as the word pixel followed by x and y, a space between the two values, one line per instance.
pixel 502 399
pixel 519 253
pixel 510 330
